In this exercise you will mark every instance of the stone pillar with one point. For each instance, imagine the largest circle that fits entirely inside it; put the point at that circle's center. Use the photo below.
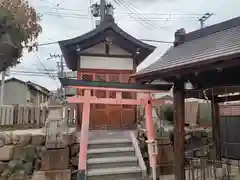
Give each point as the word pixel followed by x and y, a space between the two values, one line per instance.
pixel 55 128
pixel 55 159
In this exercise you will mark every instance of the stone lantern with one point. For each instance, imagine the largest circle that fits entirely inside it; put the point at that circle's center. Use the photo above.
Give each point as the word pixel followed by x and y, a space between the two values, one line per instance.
pixel 55 127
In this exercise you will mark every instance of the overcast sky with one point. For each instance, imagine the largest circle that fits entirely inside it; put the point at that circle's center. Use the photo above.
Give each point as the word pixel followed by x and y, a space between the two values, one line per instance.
pixel 145 19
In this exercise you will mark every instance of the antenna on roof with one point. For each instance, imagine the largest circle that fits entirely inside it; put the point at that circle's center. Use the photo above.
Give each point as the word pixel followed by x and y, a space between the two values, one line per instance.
pixel 205 17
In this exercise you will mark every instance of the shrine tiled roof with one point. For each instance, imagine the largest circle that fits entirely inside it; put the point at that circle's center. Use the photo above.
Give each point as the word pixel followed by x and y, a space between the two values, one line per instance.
pixel 198 48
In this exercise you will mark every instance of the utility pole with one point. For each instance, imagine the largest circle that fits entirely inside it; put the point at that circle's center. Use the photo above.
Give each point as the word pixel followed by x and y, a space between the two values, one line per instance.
pixel 60 66
pixel 2 87
pixel 204 18
pixel 4 74
pixel 61 75
pixel 102 10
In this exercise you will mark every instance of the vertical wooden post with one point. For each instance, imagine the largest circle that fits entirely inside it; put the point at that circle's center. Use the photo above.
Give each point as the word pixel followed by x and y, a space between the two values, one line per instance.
pixel 84 138
pixel 179 133
pixel 216 129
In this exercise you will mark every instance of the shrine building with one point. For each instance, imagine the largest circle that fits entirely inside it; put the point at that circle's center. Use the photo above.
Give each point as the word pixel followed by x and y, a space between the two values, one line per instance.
pixel 107 53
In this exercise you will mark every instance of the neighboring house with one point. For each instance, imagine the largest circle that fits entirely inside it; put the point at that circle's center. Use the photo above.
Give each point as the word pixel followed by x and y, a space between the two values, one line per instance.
pixel 19 92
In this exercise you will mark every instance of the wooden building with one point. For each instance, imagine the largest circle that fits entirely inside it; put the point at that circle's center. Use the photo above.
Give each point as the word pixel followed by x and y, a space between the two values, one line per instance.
pixel 109 54
pixel 209 59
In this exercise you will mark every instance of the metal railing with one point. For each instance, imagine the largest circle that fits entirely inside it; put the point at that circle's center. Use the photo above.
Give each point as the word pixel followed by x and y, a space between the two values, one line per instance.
pixel 201 165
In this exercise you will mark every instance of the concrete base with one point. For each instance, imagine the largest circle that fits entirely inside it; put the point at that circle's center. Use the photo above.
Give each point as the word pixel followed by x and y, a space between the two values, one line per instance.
pixel 81 175
pixel 53 175
pixel 55 159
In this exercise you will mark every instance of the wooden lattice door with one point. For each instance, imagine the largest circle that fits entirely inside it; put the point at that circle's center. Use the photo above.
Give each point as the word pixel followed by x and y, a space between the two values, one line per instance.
pixel 99 112
pixel 110 116
pixel 114 111
pixel 128 111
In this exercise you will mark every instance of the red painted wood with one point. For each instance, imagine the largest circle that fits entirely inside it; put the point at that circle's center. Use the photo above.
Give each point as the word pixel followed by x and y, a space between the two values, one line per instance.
pixel 106 71
pixel 84 133
pixel 108 115
pixel 112 101
pixel 116 89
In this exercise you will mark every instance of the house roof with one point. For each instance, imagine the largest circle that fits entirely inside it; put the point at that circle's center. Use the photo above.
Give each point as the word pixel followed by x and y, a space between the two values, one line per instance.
pixel 98 35
pixel 38 87
pixel 201 47
pixel 31 85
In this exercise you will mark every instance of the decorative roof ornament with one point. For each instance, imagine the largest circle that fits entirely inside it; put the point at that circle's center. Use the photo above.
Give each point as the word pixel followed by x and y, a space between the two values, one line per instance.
pixel 179 36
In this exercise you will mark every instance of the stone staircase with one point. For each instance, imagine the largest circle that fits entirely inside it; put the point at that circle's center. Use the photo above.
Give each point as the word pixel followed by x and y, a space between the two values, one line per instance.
pixel 112 157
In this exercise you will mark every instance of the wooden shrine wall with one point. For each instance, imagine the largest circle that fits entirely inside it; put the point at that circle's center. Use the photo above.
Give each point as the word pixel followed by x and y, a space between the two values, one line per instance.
pixel 110 116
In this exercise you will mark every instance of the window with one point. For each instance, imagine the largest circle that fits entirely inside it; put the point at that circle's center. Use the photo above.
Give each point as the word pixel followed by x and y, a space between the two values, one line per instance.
pixel 87 77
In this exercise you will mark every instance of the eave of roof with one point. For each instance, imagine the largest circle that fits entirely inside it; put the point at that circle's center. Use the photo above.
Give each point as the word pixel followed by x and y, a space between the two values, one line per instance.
pixel 71 57
pixel 38 87
pixel 74 82
pixel 101 28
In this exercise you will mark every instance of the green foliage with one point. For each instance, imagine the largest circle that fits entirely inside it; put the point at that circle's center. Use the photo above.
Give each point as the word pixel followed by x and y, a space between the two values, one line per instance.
pixel 166 112
pixel 21 21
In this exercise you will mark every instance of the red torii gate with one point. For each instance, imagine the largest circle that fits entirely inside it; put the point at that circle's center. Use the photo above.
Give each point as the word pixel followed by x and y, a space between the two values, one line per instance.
pixel 87 100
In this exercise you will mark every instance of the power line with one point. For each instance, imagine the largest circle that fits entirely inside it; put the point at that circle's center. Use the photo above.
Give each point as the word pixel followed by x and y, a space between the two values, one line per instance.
pixel 33 69
pixel 60 73
pixel 133 9
pixel 65 9
pixel 149 40
pixel 23 74
pixel 123 6
pixel 44 67
pixel 72 15
pixel 85 16
pixel 55 6
pixel 144 13
pixel 34 72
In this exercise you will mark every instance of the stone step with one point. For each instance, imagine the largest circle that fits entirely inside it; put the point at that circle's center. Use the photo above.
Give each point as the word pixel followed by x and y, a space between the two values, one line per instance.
pixel 105 143
pixel 125 161
pixel 123 173
pixel 110 152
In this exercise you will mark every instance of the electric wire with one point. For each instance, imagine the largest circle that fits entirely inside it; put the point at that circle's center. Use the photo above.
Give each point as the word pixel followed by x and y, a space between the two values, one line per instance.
pixel 44 67
pixel 121 3
pixel 122 6
pixel 150 19
pixel 133 10
pixel 146 40
pixel 147 13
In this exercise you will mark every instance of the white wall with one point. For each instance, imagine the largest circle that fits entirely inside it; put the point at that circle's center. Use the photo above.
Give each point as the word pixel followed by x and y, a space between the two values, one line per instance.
pixel 91 62
pixel 100 48
pixel 70 74
pixel 106 63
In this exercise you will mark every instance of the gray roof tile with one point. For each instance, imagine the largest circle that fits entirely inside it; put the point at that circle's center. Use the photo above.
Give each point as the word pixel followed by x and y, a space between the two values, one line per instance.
pixel 200 46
